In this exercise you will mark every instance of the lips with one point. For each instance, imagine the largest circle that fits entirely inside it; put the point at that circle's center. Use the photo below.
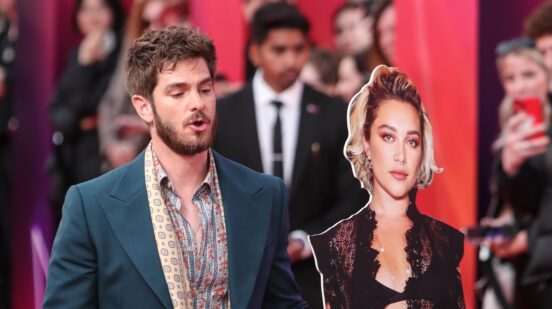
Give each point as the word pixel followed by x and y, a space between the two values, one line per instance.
pixel 198 124
pixel 398 174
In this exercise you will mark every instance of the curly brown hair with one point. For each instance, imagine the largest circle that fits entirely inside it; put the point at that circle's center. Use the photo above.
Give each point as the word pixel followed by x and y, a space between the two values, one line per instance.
pixel 540 22
pixel 386 83
pixel 161 50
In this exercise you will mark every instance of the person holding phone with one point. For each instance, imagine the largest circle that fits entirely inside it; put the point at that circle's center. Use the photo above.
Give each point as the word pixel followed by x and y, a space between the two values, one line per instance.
pixel 523 172
pixel 74 103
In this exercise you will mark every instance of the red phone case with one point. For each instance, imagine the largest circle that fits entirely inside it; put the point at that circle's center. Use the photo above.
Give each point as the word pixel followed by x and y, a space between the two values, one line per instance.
pixel 532 107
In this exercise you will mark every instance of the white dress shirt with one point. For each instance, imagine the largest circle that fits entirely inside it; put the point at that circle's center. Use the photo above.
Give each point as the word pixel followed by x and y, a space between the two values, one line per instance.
pixel 265 113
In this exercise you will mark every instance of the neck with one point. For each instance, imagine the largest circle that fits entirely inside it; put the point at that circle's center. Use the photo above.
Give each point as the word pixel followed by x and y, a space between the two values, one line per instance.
pixel 387 206
pixel 184 171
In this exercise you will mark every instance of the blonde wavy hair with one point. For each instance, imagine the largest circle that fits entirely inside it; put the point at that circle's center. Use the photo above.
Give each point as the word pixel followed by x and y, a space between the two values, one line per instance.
pixel 506 108
pixel 386 83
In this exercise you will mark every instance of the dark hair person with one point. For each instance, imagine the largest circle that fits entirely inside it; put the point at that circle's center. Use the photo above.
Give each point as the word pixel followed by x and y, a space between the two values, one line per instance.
pixel 73 111
pixel 388 253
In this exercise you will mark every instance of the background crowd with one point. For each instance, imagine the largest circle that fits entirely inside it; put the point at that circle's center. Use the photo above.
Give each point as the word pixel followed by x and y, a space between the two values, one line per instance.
pixel 94 128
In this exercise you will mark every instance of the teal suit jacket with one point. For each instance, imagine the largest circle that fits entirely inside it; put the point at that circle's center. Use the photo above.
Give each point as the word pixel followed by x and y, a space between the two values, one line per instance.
pixel 105 256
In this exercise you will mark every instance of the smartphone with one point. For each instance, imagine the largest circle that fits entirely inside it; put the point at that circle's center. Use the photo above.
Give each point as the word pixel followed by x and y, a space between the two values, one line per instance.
pixel 533 108
pixel 479 233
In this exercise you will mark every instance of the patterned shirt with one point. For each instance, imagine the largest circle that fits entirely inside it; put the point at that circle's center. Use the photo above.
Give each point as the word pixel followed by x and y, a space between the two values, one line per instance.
pixel 206 262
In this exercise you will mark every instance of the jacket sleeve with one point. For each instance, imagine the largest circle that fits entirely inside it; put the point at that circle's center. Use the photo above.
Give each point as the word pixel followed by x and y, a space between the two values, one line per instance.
pixel 72 274
pixel 456 293
pixel 282 290
pixel 328 275
pixel 347 195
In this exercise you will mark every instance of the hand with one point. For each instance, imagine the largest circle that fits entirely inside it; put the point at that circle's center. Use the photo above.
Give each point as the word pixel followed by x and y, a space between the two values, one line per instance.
pixel 508 248
pixel 518 144
pixel 90 49
pixel 294 249
pixel 120 153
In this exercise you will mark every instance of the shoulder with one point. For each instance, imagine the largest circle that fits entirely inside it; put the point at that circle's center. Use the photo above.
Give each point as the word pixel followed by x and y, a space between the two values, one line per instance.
pixel 448 241
pixel 243 175
pixel 325 102
pixel 341 232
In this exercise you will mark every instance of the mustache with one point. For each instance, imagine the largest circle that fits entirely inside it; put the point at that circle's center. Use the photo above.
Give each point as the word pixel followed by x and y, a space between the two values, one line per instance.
pixel 197 116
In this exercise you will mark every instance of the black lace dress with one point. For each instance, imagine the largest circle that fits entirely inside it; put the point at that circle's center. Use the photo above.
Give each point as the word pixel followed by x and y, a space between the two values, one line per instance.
pixel 348 264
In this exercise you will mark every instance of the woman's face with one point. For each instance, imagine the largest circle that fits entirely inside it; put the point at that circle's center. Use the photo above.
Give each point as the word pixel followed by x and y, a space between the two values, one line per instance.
pixel 352 32
pixel 386 30
pixel 94 15
pixel 395 147
pixel 522 78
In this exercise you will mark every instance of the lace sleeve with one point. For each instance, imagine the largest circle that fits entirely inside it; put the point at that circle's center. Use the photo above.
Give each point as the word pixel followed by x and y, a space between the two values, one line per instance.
pixel 328 282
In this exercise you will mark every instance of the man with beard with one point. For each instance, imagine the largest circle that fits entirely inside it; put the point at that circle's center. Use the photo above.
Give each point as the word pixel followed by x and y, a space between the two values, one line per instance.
pixel 180 226
pixel 279 126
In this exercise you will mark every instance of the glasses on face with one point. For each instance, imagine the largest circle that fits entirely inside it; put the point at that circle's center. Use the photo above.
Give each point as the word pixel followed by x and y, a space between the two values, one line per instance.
pixel 506 47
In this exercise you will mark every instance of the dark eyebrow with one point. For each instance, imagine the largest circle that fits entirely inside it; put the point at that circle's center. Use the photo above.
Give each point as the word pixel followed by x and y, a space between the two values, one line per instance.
pixel 185 85
pixel 411 132
pixel 385 126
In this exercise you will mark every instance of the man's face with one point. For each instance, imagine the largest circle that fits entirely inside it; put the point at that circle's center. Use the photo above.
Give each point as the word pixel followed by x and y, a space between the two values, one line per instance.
pixel 184 108
pixel 281 56
pixel 544 46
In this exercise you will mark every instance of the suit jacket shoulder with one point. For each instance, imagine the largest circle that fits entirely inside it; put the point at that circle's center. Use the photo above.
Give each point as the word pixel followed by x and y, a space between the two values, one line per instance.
pixel 448 242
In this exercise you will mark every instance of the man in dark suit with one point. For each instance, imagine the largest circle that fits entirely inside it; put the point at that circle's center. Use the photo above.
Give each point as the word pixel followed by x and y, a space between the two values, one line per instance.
pixel 280 126
pixel 180 226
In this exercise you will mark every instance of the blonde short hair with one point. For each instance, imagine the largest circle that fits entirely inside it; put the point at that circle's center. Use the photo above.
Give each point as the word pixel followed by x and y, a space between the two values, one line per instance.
pixel 386 83
pixel 506 108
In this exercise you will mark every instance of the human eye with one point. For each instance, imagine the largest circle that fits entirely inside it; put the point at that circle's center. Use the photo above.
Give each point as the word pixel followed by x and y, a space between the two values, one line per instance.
pixel 387 137
pixel 528 74
pixel 176 94
pixel 412 143
pixel 206 89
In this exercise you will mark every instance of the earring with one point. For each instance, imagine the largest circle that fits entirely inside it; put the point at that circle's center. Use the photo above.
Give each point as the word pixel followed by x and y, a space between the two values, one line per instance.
pixel 369 163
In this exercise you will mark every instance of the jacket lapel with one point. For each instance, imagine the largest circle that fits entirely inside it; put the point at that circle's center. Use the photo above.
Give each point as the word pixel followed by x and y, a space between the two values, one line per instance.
pixel 306 143
pixel 127 211
pixel 248 134
pixel 247 217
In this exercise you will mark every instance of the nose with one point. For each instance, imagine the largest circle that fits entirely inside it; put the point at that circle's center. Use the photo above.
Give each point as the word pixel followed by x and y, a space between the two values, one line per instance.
pixel 196 102
pixel 400 156
pixel 520 88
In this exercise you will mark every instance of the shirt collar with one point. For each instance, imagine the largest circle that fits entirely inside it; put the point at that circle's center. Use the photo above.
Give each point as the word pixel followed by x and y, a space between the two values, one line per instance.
pixel 291 97
pixel 209 181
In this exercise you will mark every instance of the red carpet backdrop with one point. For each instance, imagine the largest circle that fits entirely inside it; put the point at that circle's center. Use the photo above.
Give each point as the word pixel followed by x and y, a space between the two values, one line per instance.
pixel 437 48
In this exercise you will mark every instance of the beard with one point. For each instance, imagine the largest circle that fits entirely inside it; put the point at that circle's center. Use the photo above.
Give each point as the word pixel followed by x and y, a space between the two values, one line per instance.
pixel 186 144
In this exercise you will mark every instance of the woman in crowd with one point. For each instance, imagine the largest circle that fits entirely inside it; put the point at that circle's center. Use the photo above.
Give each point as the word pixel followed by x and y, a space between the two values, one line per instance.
pixel 523 174
pixel 384 32
pixel 389 255
pixel 74 106
pixel 122 133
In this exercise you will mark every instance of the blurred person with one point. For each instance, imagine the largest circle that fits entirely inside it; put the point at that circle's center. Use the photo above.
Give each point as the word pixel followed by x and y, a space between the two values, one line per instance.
pixel 122 133
pixel 351 77
pixel 521 177
pixel 384 32
pixel 73 111
pixel 223 86
pixel 249 7
pixel 539 28
pixel 181 226
pixel 389 255
pixel 320 72
pixel 8 126
pixel 352 28
pixel 278 125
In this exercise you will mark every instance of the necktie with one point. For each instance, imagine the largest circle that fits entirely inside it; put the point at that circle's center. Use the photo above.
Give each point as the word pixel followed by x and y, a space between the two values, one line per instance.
pixel 277 157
